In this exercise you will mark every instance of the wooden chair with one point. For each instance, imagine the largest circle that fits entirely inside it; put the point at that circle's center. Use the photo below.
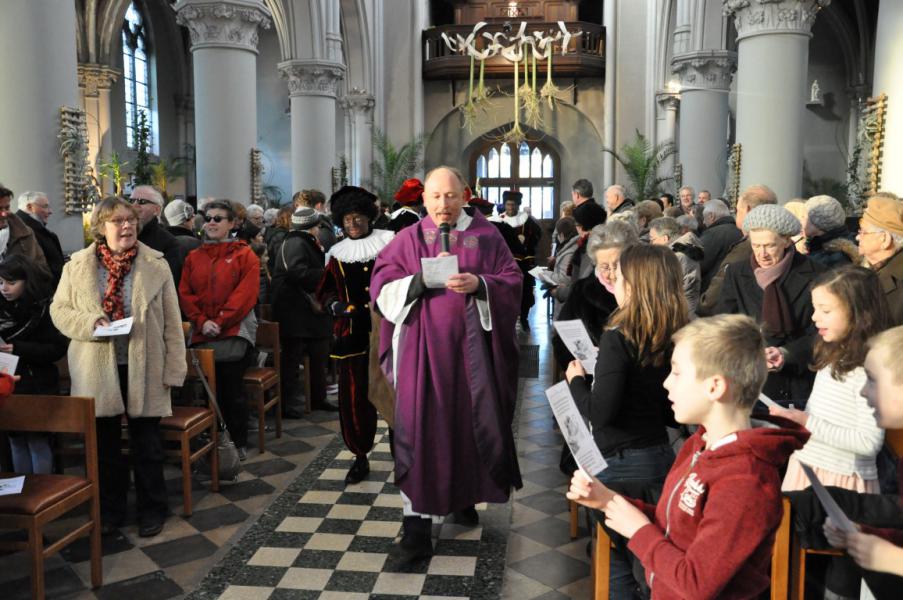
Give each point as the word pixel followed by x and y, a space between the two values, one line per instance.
pixel 187 423
pixel 601 560
pixel 263 383
pixel 266 312
pixel 45 498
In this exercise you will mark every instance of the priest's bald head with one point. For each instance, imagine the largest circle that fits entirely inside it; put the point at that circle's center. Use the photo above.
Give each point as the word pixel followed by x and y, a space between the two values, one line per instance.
pixel 443 194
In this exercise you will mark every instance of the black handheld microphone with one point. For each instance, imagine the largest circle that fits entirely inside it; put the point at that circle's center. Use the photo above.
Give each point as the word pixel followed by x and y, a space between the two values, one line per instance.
pixel 444 230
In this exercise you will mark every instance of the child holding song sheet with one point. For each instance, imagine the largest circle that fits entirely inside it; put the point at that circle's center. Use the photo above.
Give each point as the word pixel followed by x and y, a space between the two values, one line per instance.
pixel 712 532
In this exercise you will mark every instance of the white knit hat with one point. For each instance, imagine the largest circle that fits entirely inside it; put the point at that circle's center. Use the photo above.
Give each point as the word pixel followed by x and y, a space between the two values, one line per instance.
pixel 177 212
pixel 774 218
pixel 825 213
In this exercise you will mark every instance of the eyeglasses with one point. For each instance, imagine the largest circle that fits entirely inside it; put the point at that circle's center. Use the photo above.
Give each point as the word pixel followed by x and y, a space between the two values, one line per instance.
pixel 120 222
pixel 606 268
pixel 215 218
pixel 864 232
pixel 141 201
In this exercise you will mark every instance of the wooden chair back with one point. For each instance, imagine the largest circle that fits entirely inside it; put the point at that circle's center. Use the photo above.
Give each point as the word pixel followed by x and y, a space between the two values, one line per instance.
pixel 268 339
pixel 266 312
pixel 186 330
pixel 206 365
pixel 894 440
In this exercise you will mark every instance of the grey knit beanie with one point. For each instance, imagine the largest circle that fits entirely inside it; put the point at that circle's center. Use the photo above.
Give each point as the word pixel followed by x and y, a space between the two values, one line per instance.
pixel 774 218
pixel 304 218
pixel 825 212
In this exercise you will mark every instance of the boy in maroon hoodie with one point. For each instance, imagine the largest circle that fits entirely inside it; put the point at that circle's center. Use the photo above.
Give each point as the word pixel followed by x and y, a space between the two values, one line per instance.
pixel 711 534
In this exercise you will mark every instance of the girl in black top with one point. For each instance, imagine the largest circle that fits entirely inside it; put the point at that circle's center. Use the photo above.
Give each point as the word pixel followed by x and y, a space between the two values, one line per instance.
pixel 627 404
pixel 27 332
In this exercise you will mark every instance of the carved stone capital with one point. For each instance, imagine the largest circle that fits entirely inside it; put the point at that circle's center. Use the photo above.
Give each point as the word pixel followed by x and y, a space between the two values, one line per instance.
pixel 668 100
pixel 760 17
pixel 312 77
pixel 223 23
pixel 705 70
pixel 92 78
pixel 357 101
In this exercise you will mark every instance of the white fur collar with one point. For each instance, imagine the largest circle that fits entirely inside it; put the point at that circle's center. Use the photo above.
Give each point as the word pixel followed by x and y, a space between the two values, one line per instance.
pixel 515 221
pixel 404 209
pixel 364 249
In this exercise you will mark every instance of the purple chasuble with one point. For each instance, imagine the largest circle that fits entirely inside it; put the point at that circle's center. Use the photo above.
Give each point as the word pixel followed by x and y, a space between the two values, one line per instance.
pixel 456 383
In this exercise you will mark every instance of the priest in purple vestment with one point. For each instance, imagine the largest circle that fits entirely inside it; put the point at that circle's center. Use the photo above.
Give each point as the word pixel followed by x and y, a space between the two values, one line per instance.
pixel 451 354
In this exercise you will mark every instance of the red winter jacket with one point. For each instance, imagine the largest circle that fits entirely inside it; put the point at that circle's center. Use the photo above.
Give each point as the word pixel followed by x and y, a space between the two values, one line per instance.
pixel 713 529
pixel 220 283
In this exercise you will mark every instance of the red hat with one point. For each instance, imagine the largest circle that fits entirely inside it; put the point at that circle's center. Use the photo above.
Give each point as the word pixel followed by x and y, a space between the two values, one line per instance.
pixel 410 192
pixel 477 201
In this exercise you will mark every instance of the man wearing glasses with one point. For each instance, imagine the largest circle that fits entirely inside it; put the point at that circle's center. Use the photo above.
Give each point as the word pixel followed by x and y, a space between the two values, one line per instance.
pixel 880 241
pixel 149 203
pixel 15 236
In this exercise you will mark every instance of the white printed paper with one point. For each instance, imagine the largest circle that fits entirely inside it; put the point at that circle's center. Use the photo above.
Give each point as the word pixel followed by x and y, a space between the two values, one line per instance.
pixel 543 274
pixel 573 428
pixel 8 363
pixel 11 486
pixel 831 509
pixel 577 340
pixel 436 271
pixel 120 327
pixel 768 401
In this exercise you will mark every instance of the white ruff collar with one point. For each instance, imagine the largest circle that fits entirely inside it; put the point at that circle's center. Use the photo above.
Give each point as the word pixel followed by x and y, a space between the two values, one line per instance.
pixel 515 221
pixel 404 209
pixel 364 249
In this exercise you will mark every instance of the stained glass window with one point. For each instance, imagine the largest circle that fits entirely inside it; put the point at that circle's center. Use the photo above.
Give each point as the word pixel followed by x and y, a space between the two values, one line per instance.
pixel 135 75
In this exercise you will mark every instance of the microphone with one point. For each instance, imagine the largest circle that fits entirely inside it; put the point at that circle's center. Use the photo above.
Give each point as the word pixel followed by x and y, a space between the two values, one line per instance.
pixel 444 230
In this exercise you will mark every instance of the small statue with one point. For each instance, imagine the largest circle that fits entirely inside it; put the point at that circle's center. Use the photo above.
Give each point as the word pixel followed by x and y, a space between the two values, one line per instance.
pixel 815 93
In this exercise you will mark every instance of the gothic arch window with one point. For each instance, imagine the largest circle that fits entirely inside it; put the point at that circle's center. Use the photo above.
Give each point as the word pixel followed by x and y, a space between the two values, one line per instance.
pixel 136 74
pixel 530 167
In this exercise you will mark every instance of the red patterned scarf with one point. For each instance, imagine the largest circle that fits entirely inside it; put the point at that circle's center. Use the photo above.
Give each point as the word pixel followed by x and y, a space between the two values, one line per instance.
pixel 118 266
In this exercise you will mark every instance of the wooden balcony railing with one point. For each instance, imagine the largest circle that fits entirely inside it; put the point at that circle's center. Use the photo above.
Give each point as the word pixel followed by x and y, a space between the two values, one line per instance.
pixel 585 57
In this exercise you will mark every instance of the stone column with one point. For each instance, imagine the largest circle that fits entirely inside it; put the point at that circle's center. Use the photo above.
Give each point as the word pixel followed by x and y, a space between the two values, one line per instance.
pixel 94 83
pixel 358 106
pixel 705 78
pixel 772 64
pixel 888 53
pixel 224 53
pixel 312 86
pixel 39 71
pixel 667 131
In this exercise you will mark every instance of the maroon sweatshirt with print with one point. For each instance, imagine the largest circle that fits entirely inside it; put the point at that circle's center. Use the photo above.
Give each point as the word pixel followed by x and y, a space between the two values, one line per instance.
pixel 713 529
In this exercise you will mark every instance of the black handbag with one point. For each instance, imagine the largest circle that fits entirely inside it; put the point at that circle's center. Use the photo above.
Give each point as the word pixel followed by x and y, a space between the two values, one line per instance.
pixel 229 462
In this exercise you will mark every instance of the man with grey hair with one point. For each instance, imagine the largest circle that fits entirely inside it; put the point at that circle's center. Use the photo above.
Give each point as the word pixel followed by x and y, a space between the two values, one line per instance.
pixel 582 191
pixel 881 246
pixel 254 214
pixel 15 236
pixel 666 231
pixel 148 202
pixel 686 197
pixel 616 200
pixel 720 235
pixel 752 197
pixel 34 211
pixel 704 197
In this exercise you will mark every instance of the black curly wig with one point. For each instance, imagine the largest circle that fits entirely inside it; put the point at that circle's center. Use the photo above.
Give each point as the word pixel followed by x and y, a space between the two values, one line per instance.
pixel 352 199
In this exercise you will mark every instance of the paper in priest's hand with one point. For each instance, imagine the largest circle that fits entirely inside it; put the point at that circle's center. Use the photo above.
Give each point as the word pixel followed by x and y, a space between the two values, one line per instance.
pixel 436 271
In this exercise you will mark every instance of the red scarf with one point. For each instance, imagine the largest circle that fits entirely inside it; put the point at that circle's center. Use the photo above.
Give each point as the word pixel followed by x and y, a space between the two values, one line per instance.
pixel 118 266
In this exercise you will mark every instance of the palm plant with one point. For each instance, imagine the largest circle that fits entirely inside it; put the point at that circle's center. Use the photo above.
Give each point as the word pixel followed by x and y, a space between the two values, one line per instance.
pixel 163 172
pixel 393 165
pixel 642 161
pixel 114 168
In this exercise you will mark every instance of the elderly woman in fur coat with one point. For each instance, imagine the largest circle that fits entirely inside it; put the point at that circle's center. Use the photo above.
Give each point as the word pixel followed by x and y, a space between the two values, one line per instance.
pixel 114 278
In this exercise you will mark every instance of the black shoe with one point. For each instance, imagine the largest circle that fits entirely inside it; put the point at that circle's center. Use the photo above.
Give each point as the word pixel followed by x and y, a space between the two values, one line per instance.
pixel 416 542
pixel 467 517
pixel 107 528
pixel 358 471
pixel 291 412
pixel 325 406
pixel 151 527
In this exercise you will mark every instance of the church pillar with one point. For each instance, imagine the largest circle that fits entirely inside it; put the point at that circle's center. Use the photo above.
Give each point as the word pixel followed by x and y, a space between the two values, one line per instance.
pixel 358 107
pixel 667 130
pixel 312 87
pixel 705 78
pixel 224 53
pixel 772 64
pixel 94 83
pixel 888 53
pixel 38 63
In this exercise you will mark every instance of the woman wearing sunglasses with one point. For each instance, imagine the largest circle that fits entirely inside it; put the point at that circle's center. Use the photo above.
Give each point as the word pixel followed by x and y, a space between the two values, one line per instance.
pixel 218 291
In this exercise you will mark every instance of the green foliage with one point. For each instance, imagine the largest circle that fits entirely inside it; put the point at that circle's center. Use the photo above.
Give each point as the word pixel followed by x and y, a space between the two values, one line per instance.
pixel 393 165
pixel 642 161
pixel 142 174
pixel 114 168
pixel 163 172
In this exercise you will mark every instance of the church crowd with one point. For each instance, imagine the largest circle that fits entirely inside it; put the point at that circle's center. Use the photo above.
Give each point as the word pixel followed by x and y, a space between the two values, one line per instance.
pixel 740 349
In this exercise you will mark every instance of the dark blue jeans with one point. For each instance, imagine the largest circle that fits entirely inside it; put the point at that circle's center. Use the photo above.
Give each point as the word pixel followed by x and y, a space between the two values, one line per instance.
pixel 636 473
